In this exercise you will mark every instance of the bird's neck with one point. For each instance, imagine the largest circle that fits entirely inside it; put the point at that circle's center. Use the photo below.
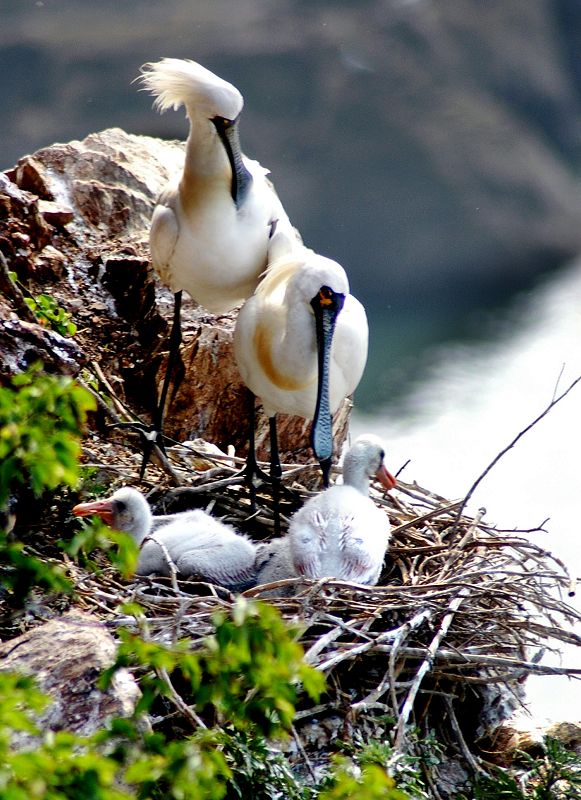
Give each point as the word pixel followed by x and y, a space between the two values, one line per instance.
pixel 355 475
pixel 241 179
pixel 205 157
pixel 299 343
pixel 142 526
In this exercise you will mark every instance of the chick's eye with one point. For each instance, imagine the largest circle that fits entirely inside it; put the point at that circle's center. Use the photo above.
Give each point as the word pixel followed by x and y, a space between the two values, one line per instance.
pixel 121 505
pixel 381 455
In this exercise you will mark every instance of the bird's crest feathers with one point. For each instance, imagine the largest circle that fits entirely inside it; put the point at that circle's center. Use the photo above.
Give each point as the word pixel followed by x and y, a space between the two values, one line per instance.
pixel 176 82
pixel 278 274
pixel 296 259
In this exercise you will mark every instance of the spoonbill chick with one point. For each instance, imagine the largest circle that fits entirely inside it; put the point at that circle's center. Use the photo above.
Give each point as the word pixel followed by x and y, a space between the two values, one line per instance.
pixel 198 544
pixel 341 533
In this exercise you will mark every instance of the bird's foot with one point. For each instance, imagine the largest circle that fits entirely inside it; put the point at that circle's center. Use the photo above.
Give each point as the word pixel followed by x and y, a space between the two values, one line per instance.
pixel 150 438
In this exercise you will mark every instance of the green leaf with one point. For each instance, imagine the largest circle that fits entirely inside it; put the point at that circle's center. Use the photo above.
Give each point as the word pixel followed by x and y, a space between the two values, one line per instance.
pixel 48 313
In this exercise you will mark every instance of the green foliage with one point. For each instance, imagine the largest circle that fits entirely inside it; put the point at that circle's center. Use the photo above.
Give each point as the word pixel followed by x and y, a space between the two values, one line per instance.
pixel 41 419
pixel 126 762
pixel 20 571
pixel 121 549
pixel 61 767
pixel 257 771
pixel 188 769
pixel 555 776
pixel 370 782
pixel 247 675
pixel 50 314
pixel 19 699
pixel 406 768
pixel 501 786
pixel 254 667
pixel 100 767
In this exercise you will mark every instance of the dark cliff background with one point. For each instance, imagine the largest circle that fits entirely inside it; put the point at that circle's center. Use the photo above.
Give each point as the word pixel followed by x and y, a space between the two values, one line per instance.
pixel 432 147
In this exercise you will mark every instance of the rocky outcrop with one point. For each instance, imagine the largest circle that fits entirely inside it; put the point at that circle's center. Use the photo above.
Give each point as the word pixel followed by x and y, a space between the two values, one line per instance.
pixel 74 224
pixel 525 734
pixel 66 657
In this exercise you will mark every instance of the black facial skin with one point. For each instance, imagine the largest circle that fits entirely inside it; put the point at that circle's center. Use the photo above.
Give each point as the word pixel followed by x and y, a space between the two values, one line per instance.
pixel 241 178
pixel 326 304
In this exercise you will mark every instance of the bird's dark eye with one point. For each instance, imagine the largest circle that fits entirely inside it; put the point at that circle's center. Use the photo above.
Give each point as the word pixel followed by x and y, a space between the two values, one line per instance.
pixel 381 455
pixel 121 505
pixel 326 296
pixel 222 123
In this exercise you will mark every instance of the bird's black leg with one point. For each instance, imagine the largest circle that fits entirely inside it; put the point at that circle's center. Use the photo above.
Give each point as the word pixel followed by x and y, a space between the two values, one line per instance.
pixel 251 470
pixel 326 464
pixel 175 340
pixel 155 435
pixel 253 475
pixel 275 473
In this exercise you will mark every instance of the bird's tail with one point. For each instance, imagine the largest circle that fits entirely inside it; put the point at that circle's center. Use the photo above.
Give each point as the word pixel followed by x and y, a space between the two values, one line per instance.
pixel 175 82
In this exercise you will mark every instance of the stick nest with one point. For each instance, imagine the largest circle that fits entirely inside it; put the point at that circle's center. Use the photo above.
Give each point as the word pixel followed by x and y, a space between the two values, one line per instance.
pixel 461 616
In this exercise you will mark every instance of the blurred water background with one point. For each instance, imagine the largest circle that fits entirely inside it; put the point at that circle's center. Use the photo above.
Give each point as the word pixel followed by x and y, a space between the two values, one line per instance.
pixel 470 400
pixel 434 149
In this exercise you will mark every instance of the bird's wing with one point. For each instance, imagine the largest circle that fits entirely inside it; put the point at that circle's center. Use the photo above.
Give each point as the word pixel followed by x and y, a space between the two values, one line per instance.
pixel 307 540
pixel 357 561
pixel 216 553
pixel 216 565
pixel 152 558
pixel 163 236
pixel 273 561
pixel 363 541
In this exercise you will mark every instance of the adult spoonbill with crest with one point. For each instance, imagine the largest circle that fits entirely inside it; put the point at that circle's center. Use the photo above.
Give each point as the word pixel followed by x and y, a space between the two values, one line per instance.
pixel 212 223
pixel 301 343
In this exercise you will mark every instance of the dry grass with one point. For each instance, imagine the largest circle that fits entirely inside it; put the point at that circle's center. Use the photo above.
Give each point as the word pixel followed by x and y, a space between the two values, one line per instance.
pixel 461 616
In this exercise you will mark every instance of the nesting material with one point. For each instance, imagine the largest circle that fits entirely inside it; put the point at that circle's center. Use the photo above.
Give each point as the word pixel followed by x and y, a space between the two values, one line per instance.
pixel 460 617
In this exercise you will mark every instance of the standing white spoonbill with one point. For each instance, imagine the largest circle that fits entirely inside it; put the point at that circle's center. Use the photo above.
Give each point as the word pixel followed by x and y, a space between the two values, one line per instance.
pixel 199 545
pixel 341 533
pixel 211 226
pixel 301 344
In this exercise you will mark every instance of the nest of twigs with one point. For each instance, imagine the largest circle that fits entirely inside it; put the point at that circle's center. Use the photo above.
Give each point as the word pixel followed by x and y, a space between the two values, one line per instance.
pixel 461 615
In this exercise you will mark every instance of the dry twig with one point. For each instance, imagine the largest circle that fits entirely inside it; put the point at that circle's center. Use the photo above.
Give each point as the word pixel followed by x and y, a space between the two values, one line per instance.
pixel 460 605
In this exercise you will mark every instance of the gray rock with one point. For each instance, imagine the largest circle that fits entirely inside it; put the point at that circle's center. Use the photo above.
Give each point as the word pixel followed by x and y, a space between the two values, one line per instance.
pixel 66 657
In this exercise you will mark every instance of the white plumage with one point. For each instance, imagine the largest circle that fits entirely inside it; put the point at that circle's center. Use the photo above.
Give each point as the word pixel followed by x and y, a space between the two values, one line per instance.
pixel 199 545
pixel 341 533
pixel 274 562
pixel 211 225
pixel 275 340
